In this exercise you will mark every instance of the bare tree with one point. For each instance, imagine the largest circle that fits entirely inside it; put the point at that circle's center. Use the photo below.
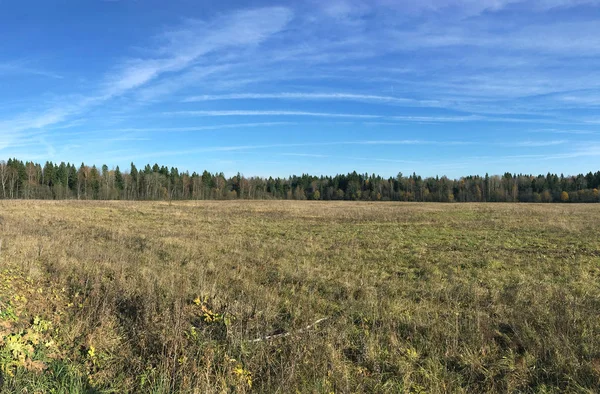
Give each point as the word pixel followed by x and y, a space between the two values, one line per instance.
pixel 12 182
pixel 3 176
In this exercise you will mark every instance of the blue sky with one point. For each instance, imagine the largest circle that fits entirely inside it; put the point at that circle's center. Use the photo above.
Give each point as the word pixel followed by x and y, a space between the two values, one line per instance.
pixel 278 88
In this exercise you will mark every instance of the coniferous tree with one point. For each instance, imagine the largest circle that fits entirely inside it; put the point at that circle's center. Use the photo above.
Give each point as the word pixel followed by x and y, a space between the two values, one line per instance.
pixel 118 179
pixel 31 180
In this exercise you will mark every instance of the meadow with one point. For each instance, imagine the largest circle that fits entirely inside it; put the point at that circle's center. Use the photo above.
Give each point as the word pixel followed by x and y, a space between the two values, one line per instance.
pixel 298 297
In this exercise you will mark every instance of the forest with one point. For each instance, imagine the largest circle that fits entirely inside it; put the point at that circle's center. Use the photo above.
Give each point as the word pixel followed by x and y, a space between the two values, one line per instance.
pixel 29 180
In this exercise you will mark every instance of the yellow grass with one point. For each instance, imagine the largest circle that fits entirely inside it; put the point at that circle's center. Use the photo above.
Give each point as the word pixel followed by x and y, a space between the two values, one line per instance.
pixel 160 297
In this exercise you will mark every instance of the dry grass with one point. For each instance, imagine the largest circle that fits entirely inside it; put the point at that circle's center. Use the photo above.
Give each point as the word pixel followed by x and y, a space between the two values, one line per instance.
pixel 159 297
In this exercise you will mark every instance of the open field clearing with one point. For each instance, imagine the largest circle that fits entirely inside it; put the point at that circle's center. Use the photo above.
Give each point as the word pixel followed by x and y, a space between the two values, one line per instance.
pixel 420 298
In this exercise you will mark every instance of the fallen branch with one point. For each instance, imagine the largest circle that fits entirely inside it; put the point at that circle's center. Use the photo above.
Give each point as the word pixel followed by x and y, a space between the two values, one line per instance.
pixel 287 334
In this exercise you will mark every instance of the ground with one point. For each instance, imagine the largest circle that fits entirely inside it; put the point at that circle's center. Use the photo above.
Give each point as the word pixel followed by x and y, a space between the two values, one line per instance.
pixel 180 297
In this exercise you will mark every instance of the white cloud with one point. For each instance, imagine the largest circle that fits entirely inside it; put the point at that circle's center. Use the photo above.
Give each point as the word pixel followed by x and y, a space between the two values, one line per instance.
pixel 560 131
pixel 180 48
pixel 271 113
pixel 412 142
pixel 303 155
pixel 184 45
pixel 533 144
pixel 22 67
pixel 569 39
pixel 461 8
pixel 193 128
pixel 398 118
pixel 312 96
pixel 475 61
pixel 233 148
pixel 167 86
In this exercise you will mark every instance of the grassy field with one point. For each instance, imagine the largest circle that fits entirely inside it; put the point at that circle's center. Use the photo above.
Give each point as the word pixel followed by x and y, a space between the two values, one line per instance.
pixel 420 298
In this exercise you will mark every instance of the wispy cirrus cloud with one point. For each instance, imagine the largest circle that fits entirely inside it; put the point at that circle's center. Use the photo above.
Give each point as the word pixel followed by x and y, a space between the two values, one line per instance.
pixel 591 150
pixel 233 148
pixel 353 158
pixel 314 155
pixel 23 67
pixel 566 38
pixel 439 73
pixel 501 84
pixel 352 9
pixel 312 96
pixel 538 143
pixel 398 118
pixel 194 128
pixel 182 46
pixel 429 160
pixel 179 49
pixel 12 129
pixel 561 131
pixel 272 113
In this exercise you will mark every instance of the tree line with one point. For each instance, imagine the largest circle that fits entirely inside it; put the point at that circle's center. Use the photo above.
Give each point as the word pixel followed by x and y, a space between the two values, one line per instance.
pixel 29 180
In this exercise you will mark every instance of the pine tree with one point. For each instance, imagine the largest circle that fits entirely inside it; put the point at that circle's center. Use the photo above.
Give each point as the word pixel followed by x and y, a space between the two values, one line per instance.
pixel 118 179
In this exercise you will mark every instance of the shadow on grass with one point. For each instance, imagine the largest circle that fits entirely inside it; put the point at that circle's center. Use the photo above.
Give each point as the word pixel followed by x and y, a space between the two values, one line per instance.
pixel 60 377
